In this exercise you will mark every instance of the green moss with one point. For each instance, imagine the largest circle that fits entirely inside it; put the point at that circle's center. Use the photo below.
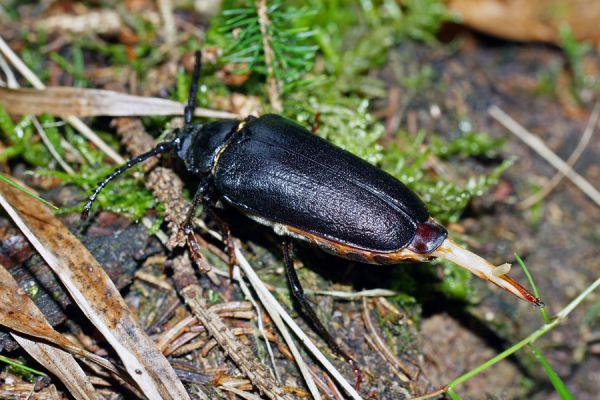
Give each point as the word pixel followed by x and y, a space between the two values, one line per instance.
pixel 21 141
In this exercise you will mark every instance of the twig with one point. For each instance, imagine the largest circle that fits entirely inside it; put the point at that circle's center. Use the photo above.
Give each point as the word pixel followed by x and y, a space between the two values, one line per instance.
pixel 11 81
pixel 166 12
pixel 270 305
pixel 84 102
pixel 262 290
pixel 536 144
pixel 259 321
pixel 557 178
pixel 185 280
pixel 401 370
pixel 273 89
pixel 51 148
pixel 74 121
pixel 353 295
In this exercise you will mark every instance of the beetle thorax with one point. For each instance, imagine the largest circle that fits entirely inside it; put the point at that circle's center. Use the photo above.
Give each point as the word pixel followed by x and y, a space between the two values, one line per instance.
pixel 200 145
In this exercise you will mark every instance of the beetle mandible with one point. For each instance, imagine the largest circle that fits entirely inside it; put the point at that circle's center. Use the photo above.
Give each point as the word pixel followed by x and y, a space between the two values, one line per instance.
pixel 281 175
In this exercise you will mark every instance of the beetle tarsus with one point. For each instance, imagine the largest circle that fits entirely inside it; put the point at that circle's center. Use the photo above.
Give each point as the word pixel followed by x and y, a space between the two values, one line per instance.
pixel 194 247
pixel 307 310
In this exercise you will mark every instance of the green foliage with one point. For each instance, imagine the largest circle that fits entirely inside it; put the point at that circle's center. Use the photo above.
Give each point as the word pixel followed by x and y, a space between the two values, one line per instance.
pixel 574 52
pixel 123 195
pixel 24 190
pixel 543 311
pixel 346 123
pixel 562 389
pixel 74 67
pixel 407 160
pixel 470 144
pixel 19 368
pixel 456 283
pixel 22 142
pixel 293 52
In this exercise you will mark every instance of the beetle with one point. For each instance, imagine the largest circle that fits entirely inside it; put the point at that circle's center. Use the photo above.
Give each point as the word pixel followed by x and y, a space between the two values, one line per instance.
pixel 281 175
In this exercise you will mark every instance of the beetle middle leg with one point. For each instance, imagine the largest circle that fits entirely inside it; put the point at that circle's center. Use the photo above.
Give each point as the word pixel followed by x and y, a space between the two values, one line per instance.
pixel 227 239
pixel 307 310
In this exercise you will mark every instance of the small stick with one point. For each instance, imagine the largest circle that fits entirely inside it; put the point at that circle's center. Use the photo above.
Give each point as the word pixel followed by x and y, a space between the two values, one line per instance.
pixel 536 144
pixel 51 148
pixel 557 178
pixel 259 319
pixel 185 279
pixel 273 89
pixel 166 12
pixel 401 370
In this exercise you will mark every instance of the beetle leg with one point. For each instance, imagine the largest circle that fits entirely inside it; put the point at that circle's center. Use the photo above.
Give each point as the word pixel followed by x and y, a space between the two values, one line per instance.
pixel 314 128
pixel 188 229
pixel 307 310
pixel 228 240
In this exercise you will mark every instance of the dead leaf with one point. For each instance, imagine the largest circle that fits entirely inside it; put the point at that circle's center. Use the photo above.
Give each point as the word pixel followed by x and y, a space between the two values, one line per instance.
pixel 81 102
pixel 94 293
pixel 530 20
pixel 102 22
pixel 19 313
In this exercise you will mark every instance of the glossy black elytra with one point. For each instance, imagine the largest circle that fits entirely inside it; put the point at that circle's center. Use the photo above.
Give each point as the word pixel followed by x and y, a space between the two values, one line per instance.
pixel 281 175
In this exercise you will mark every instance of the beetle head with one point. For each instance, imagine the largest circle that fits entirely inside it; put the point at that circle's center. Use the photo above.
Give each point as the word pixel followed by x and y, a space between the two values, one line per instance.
pixel 199 145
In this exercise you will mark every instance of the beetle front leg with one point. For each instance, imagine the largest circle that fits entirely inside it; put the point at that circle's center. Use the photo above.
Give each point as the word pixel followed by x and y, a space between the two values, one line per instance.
pixel 307 310
pixel 188 229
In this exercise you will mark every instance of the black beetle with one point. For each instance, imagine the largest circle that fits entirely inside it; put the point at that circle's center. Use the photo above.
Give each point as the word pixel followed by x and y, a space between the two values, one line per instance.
pixel 282 175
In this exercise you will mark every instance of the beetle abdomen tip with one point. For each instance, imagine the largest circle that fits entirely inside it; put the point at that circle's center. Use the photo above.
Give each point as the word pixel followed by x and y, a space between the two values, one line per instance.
pixel 428 237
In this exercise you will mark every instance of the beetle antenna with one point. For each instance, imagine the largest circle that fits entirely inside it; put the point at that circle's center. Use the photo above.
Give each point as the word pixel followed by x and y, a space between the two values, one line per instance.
pixel 188 113
pixel 161 148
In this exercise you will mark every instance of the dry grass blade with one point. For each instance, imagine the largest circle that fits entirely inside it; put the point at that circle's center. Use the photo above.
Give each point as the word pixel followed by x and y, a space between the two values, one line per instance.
pixel 192 293
pixel 19 313
pixel 94 293
pixel 557 178
pixel 50 147
pixel 80 102
pixel 259 319
pixel 536 144
pixel 265 295
pixel 62 365
pixel 277 320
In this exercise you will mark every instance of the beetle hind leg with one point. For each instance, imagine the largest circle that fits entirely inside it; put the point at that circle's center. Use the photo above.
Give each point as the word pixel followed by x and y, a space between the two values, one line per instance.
pixel 307 310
